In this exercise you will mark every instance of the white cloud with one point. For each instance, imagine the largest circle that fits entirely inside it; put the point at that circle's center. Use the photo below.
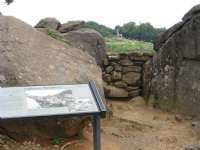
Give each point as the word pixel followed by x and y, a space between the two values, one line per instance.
pixel 109 12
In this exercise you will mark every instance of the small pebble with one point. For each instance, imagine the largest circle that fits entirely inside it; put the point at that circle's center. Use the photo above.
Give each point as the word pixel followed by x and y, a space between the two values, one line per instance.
pixel 194 124
pixel 6 147
pixel 178 118
pixel 56 146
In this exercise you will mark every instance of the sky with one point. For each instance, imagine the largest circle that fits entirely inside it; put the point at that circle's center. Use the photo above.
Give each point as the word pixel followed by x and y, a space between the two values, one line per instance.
pixel 160 13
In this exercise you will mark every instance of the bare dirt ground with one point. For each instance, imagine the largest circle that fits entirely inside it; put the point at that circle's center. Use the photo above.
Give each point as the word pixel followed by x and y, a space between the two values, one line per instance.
pixel 131 126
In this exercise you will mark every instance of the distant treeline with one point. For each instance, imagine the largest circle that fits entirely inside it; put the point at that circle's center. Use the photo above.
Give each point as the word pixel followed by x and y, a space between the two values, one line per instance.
pixel 105 31
pixel 144 31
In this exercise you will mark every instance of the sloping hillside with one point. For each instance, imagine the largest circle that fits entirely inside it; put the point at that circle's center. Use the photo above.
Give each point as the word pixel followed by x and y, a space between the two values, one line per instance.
pixel 122 45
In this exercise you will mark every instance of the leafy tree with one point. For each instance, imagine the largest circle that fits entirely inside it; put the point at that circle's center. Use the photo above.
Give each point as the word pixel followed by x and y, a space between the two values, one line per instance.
pixel 144 31
pixel 9 1
pixel 105 31
pixel 128 30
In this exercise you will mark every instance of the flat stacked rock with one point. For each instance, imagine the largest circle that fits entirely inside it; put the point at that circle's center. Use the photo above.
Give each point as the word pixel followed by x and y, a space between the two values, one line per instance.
pixel 122 74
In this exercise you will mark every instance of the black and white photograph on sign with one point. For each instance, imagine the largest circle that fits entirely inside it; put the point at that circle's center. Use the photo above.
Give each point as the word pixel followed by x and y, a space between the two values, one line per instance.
pixel 46 100
pixel 55 98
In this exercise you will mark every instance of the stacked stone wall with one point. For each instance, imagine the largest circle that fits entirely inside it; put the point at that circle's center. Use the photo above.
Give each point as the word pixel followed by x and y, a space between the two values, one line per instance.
pixel 122 74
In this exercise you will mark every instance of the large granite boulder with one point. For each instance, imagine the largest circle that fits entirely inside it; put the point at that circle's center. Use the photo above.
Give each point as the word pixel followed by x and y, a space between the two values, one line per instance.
pixel 52 23
pixel 71 26
pixel 75 34
pixel 29 57
pixel 88 40
pixel 172 77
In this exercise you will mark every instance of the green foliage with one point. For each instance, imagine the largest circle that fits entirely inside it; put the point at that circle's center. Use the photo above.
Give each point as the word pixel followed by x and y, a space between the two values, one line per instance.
pixel 9 1
pixel 122 45
pixel 54 34
pixel 144 31
pixel 57 141
pixel 105 31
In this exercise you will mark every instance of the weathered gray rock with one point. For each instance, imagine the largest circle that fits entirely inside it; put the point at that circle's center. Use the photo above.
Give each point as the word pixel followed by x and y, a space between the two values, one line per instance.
pixel 126 62
pixel 113 57
pixel 29 57
pixel 109 69
pixel 164 36
pixel 107 78
pixel 132 69
pixel 49 23
pixel 146 78
pixel 131 78
pixel 139 57
pixel 114 92
pixel 71 26
pixel 134 93
pixel 194 11
pixel 132 88
pixel 139 63
pixel 105 61
pixel 88 40
pixel 172 77
pixel 123 56
pixel 117 67
pixel 120 84
pixel 188 87
pixel 116 76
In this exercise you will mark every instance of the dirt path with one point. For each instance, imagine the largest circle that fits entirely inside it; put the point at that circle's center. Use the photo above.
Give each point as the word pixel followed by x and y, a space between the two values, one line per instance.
pixel 134 126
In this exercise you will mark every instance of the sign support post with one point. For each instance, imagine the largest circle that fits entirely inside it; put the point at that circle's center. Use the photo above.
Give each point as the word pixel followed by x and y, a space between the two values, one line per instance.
pixel 97 132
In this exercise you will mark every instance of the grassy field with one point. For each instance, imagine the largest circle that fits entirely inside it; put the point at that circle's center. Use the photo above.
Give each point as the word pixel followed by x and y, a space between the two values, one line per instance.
pixel 122 45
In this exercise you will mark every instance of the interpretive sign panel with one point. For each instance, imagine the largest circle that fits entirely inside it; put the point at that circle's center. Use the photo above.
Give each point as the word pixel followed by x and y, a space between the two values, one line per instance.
pixel 54 100
pixel 19 102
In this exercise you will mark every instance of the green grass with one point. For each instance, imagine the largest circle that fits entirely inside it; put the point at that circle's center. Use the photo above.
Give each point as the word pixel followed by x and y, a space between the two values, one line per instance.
pixel 54 34
pixel 122 45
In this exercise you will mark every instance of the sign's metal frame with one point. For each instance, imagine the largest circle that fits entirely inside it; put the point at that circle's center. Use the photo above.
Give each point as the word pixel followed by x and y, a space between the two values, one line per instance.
pixel 96 116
